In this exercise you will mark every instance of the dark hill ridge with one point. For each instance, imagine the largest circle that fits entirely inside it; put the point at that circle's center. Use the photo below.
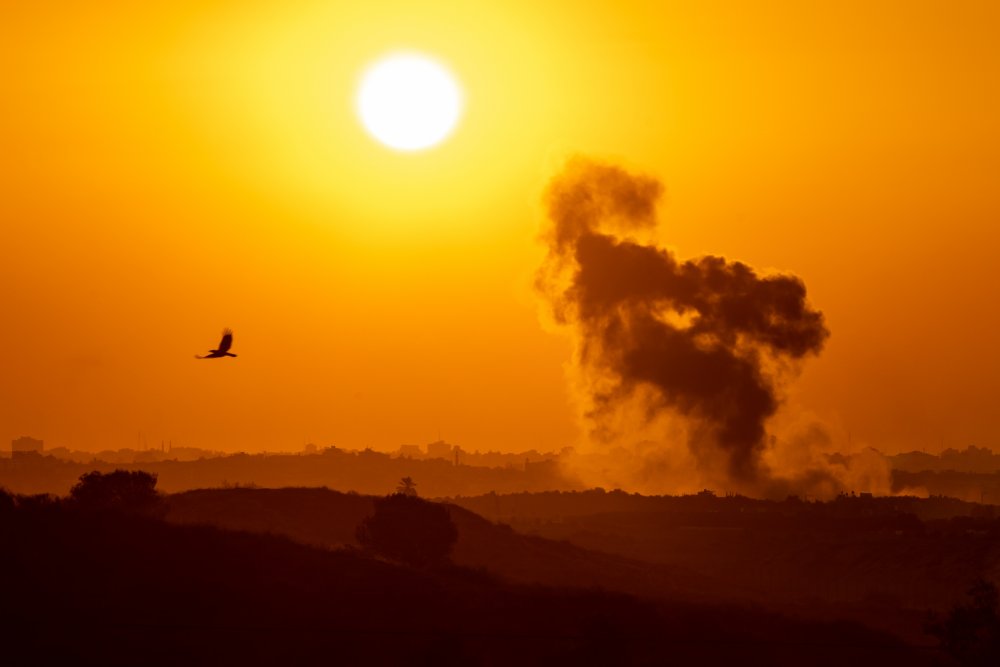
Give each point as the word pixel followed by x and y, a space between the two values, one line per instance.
pixel 872 558
pixel 322 517
pixel 108 589
pixel 859 559
pixel 315 516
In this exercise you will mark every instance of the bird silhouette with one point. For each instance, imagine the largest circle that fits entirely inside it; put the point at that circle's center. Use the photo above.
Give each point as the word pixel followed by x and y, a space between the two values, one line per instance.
pixel 224 345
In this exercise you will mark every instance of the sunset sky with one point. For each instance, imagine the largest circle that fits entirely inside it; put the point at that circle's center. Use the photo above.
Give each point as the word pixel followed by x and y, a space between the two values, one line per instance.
pixel 173 168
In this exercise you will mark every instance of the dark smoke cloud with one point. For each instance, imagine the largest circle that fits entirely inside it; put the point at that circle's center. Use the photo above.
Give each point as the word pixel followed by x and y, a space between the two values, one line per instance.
pixel 705 338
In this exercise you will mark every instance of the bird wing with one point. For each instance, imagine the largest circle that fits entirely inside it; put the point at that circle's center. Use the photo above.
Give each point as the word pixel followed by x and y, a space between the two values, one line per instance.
pixel 227 340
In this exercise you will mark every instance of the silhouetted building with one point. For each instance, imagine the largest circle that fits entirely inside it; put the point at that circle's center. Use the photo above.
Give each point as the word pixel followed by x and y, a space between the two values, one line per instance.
pixel 439 450
pixel 411 451
pixel 25 447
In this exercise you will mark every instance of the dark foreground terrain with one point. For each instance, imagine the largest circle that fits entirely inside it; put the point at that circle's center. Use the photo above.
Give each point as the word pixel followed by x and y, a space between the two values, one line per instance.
pixel 912 552
pixel 109 588
pixel 888 563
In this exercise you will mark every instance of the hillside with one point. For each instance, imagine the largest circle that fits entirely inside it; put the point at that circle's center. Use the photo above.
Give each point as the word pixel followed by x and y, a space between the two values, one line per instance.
pixel 894 552
pixel 108 589
pixel 322 517
pixel 866 559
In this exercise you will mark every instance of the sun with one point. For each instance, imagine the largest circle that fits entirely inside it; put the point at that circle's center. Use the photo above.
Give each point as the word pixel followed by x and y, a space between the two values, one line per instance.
pixel 409 101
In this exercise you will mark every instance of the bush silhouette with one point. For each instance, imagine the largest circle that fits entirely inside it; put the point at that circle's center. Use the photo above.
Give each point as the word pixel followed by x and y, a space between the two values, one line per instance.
pixel 6 501
pixel 122 490
pixel 409 530
pixel 971 632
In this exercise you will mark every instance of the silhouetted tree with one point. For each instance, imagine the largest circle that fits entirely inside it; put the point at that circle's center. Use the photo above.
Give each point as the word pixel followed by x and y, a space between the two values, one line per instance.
pixel 123 490
pixel 971 631
pixel 407 487
pixel 37 501
pixel 6 501
pixel 410 530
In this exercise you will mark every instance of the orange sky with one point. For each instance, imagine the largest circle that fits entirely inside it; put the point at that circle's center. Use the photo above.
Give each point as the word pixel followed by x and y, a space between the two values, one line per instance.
pixel 171 168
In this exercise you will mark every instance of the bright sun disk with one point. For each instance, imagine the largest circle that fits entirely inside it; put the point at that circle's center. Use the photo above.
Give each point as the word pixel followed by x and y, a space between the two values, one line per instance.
pixel 409 102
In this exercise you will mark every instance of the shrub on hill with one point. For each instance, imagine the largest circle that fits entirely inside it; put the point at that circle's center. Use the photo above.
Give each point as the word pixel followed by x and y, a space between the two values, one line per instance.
pixel 410 530
pixel 970 632
pixel 121 490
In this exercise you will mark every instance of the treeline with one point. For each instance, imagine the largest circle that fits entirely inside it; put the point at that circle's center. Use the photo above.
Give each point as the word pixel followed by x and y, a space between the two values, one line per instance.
pixel 555 504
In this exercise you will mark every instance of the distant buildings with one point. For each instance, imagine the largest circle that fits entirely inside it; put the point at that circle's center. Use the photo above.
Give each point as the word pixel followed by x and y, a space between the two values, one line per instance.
pixel 439 450
pixel 411 452
pixel 434 450
pixel 25 447
pixel 443 451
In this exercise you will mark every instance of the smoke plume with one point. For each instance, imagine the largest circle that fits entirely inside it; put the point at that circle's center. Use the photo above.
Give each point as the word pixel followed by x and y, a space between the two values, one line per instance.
pixel 699 347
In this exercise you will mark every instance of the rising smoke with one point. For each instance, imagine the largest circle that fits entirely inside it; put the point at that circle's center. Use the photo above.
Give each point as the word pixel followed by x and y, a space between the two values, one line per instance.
pixel 698 347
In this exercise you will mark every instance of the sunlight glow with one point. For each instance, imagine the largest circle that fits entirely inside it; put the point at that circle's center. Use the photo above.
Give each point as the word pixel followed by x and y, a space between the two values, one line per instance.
pixel 409 102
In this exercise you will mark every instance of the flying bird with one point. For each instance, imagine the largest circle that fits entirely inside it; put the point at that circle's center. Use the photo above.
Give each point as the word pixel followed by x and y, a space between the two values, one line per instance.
pixel 224 345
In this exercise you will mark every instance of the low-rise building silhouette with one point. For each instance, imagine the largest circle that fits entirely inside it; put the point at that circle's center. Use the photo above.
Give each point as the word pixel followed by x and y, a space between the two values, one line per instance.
pixel 411 452
pixel 439 450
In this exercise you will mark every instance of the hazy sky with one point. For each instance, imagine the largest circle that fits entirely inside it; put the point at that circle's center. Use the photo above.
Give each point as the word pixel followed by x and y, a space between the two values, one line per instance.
pixel 173 168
